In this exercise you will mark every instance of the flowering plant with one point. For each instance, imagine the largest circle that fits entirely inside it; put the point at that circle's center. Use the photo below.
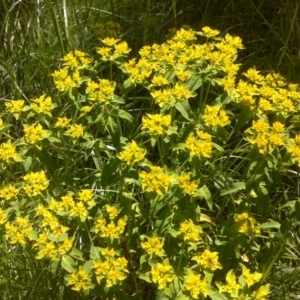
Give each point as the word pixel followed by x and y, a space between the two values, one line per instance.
pixel 120 184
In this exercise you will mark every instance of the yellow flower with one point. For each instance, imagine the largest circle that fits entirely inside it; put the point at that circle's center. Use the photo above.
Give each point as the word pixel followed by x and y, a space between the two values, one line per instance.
pixel 19 233
pixel 199 147
pixel 42 104
pixel 80 280
pixel 231 287
pixel 8 152
pixel 189 187
pixel 122 48
pixel 156 181
pixel 15 106
pixel 162 274
pixel 208 32
pixel 153 246
pixel 79 210
pixel 34 133
pixel 262 292
pixel 208 260
pixel 156 124
pixel 159 80
pixel 250 278
pixel 196 286
pixel 62 122
pixel 8 192
pixel 190 231
pixel 86 196
pixel 113 277
pixel 35 183
pixel 3 216
pixel 132 153
pixel 48 250
pixel 107 252
pixel 215 116
pixel 112 211
pixel 75 131
pixel 246 224
pixel 67 202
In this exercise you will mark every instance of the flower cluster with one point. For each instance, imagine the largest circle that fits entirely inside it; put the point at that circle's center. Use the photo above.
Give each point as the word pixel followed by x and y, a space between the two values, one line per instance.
pixel 156 180
pixel 132 154
pixel 246 224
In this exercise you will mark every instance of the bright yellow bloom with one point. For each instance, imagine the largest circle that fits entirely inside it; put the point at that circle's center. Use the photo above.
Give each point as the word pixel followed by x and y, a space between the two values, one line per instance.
pixel 79 210
pixel 19 233
pixel 208 260
pixel 107 252
pixel 132 154
pixel 159 80
pixel 215 116
pixel 121 49
pixel 8 152
pixel 114 276
pixel 156 181
pixel 196 286
pixel 190 231
pixel 199 147
pixel 246 224
pixel 86 196
pixel 3 216
pixel 80 280
pixel 65 246
pixel 34 133
pixel 162 274
pixel 8 192
pixel 262 292
pixel 153 246
pixel 48 250
pixel 67 202
pixel 112 211
pixel 75 131
pixel 250 278
pixel 231 287
pixel 156 124
pixel 188 186
pixel 35 183
pixel 42 104
pixel 62 122
pixel 208 32
pixel 14 106
pixel 85 109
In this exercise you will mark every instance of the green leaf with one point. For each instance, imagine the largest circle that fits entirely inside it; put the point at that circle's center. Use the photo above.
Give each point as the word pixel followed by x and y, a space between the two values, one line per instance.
pixel 68 264
pixel 237 186
pixel 270 224
pixel 204 192
pixel 218 296
pixel 125 115
pixel 109 174
pixel 27 163
pixel 184 108
pixel 194 83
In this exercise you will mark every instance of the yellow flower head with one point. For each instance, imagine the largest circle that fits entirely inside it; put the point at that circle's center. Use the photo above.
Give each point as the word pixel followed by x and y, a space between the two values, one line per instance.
pixel 76 131
pixel 34 133
pixel 155 181
pixel 15 106
pixel 190 231
pixel 208 260
pixel 162 274
pixel 246 224
pixel 132 154
pixel 156 124
pixel 153 246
